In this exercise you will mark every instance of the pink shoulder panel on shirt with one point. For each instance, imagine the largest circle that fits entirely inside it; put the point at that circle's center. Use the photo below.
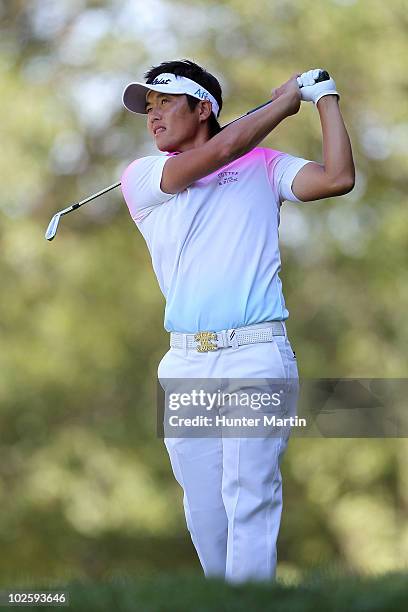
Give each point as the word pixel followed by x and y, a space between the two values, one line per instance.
pixel 127 170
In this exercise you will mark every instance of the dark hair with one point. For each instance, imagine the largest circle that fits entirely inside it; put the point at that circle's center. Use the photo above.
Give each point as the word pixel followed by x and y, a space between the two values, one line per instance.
pixel 190 70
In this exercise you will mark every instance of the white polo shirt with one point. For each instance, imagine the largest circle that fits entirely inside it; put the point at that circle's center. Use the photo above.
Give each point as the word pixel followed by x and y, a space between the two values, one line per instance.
pixel 214 246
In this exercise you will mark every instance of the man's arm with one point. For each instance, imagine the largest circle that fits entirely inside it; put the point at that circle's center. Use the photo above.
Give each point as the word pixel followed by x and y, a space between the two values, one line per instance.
pixel 232 142
pixel 336 175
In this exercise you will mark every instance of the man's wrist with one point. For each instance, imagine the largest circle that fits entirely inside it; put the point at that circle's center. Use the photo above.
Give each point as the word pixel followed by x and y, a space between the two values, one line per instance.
pixel 327 100
pixel 292 103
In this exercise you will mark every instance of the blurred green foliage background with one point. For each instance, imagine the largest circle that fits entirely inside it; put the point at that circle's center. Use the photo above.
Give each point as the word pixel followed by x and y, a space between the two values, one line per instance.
pixel 86 487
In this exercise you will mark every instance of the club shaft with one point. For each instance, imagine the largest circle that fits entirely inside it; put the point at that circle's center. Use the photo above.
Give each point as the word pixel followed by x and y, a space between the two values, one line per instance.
pixel 248 113
pixel 96 195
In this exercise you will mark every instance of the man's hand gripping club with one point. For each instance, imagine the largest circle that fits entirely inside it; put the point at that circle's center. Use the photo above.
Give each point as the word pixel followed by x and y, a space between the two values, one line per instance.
pixel 307 87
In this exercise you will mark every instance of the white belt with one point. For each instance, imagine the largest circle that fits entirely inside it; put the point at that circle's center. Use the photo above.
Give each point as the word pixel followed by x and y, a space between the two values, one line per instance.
pixel 205 341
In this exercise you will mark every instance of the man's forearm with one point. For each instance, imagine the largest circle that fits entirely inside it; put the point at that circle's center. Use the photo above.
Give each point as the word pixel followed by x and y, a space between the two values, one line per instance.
pixel 243 135
pixel 337 154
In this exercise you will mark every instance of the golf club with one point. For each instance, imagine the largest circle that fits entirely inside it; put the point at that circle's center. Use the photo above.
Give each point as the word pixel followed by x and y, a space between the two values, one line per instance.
pixel 53 224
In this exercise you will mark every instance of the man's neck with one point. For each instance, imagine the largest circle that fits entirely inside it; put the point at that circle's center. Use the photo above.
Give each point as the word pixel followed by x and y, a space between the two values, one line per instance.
pixel 199 139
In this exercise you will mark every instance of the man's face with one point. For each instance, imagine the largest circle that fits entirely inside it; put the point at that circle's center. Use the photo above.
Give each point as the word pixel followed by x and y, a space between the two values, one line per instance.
pixel 170 121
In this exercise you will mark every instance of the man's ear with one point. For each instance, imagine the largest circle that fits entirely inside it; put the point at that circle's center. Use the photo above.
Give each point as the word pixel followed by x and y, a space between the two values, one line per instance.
pixel 205 109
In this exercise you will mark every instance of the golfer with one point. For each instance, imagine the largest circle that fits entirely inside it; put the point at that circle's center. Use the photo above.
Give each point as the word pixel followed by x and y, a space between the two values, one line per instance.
pixel 208 206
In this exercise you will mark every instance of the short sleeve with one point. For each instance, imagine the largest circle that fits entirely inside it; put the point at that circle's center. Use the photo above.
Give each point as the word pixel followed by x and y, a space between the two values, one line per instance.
pixel 140 184
pixel 282 170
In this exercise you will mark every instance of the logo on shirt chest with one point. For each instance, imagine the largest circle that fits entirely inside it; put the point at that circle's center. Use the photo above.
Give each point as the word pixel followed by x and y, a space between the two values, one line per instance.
pixel 227 177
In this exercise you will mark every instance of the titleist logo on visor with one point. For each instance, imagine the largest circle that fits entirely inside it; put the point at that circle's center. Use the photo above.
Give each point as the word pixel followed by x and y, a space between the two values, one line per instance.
pixel 158 81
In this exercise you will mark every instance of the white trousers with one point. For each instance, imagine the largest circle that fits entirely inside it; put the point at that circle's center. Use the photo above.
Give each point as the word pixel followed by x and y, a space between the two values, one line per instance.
pixel 232 485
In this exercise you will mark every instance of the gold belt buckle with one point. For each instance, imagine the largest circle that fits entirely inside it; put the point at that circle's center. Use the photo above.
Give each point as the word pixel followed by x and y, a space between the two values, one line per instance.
pixel 205 339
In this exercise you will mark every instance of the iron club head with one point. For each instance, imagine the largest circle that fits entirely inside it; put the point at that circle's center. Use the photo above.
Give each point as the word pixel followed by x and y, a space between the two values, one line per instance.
pixel 53 226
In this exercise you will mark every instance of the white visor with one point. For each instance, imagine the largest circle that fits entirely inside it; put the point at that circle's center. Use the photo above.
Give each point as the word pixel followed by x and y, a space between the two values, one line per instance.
pixel 134 95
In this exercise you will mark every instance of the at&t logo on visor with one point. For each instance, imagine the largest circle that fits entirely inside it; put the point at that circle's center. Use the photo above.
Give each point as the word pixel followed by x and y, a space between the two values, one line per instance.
pixel 202 94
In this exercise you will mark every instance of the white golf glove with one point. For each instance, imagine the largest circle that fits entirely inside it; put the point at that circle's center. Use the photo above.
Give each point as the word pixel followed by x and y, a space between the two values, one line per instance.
pixel 310 91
